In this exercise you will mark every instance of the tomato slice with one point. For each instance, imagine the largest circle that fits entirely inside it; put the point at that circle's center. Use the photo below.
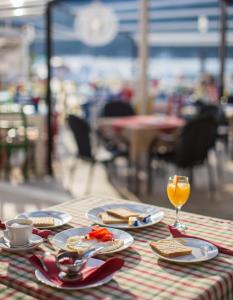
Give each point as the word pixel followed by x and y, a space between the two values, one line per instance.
pixel 101 234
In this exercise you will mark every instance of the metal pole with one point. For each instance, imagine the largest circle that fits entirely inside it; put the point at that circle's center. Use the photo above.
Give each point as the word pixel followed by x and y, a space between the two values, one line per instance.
pixel 48 45
pixel 143 58
pixel 222 47
pixel 134 49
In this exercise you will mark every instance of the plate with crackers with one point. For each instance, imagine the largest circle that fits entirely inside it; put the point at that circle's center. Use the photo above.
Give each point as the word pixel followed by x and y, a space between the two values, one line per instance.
pixel 47 218
pixel 126 215
pixel 184 250
pixel 81 239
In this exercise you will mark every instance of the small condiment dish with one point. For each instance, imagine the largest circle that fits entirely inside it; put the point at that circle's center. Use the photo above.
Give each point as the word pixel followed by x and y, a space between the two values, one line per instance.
pixel 72 263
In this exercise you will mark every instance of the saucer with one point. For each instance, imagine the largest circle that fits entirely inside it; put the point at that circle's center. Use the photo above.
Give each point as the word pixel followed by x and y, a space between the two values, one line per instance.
pixel 35 241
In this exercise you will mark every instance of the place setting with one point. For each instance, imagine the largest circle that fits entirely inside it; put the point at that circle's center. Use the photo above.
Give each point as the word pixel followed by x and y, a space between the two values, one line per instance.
pixel 125 215
pixel 19 235
pixel 180 247
pixel 29 230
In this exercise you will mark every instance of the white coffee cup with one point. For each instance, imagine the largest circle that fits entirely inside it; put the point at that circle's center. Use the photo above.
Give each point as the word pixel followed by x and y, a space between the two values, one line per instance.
pixel 18 231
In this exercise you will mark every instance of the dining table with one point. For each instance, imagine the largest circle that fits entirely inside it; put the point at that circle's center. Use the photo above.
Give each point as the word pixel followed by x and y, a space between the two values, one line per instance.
pixel 138 132
pixel 143 275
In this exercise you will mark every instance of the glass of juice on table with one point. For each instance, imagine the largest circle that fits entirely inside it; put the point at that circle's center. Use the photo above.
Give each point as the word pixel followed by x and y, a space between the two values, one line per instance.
pixel 178 190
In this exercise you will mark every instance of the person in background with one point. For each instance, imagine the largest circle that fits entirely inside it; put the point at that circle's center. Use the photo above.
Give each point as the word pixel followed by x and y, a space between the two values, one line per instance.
pixel 207 90
pixel 126 94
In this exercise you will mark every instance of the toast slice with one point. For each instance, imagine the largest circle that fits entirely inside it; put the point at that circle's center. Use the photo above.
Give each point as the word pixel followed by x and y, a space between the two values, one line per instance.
pixel 108 219
pixel 122 213
pixel 42 221
pixel 170 248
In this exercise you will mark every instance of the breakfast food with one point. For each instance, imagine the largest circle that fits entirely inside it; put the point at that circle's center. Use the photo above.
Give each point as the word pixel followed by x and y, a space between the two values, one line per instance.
pixel 98 235
pixel 124 216
pixel 42 221
pixel 170 248
pixel 108 219
pixel 122 213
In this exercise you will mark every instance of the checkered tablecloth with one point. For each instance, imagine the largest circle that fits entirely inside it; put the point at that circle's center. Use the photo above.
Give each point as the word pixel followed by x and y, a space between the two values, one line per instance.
pixel 143 275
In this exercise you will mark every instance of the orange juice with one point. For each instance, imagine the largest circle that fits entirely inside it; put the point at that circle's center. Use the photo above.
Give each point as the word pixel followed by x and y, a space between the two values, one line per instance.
pixel 178 194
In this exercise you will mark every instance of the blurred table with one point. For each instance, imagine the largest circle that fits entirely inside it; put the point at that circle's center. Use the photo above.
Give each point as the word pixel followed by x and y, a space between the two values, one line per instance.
pixel 143 276
pixel 139 132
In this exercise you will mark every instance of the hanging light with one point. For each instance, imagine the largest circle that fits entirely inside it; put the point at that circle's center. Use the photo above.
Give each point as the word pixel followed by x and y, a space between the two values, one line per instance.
pixel 17 3
pixel 96 25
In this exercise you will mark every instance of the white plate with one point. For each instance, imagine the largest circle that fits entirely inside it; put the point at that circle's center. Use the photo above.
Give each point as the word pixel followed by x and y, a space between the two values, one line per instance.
pixel 59 240
pixel 35 241
pixel 92 262
pixel 201 251
pixel 60 218
pixel 156 214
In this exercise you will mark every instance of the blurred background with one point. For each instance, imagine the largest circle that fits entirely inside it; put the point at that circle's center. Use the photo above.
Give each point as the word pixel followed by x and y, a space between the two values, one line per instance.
pixel 113 97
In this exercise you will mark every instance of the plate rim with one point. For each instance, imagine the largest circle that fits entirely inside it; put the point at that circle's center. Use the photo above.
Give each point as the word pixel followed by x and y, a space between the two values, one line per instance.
pixel 122 248
pixel 119 226
pixel 170 259
pixel 69 217
pixel 53 285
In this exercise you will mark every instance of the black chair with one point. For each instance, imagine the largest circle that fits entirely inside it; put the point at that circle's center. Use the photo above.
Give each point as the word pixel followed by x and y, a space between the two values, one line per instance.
pixel 190 149
pixel 82 135
pixel 112 109
pixel 117 108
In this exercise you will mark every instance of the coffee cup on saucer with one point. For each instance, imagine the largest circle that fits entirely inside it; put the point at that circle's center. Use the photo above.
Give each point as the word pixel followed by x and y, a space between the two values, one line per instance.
pixel 18 232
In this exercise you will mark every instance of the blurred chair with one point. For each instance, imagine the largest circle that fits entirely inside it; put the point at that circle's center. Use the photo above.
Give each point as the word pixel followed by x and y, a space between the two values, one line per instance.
pixel 13 137
pixel 118 147
pixel 190 148
pixel 82 135
pixel 117 108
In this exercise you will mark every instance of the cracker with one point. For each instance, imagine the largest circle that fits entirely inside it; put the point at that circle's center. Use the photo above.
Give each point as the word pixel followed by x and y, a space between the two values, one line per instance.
pixel 42 221
pixel 170 248
pixel 108 219
pixel 122 213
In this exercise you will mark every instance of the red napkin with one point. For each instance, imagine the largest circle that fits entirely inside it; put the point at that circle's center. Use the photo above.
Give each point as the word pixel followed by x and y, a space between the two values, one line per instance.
pixel 42 233
pixel 176 233
pixel 89 275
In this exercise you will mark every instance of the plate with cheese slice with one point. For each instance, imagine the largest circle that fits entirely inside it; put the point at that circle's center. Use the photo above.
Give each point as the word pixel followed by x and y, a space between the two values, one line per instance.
pixel 184 250
pixel 83 238
pixel 126 215
pixel 47 218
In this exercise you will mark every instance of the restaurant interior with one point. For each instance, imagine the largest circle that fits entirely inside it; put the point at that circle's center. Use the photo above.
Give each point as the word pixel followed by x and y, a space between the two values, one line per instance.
pixel 107 108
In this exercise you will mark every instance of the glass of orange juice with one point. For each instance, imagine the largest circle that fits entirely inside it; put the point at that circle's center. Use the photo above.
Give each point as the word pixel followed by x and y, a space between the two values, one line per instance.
pixel 178 190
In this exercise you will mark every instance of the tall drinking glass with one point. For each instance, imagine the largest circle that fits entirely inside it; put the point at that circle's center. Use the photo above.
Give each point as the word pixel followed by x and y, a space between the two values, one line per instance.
pixel 178 190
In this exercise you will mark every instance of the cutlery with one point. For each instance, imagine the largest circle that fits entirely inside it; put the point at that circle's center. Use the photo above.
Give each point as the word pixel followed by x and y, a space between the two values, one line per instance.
pixel 41 259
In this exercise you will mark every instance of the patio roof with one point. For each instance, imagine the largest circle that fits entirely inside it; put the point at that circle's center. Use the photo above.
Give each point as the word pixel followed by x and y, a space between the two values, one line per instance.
pixel 171 23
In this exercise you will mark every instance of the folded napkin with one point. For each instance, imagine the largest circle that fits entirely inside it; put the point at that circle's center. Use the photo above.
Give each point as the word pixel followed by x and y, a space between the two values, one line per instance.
pixel 89 274
pixel 42 233
pixel 176 233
